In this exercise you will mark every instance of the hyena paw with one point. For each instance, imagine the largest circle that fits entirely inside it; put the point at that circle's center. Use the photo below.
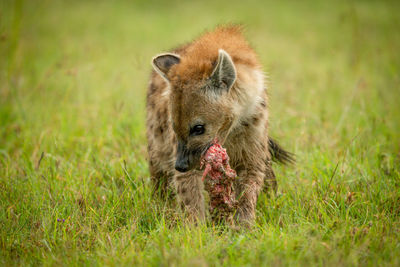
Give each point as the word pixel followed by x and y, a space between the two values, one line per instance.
pixel 194 214
pixel 245 218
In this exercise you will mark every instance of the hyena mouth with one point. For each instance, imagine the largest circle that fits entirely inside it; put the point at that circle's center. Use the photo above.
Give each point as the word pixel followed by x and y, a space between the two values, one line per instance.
pixel 200 152
pixel 205 149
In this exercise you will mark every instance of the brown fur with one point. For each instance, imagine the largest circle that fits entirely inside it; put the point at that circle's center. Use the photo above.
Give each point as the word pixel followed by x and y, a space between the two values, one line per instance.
pixel 185 94
pixel 199 57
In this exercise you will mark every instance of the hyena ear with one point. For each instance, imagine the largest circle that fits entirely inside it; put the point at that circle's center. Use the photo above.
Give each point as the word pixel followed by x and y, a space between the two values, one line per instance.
pixel 224 74
pixel 163 63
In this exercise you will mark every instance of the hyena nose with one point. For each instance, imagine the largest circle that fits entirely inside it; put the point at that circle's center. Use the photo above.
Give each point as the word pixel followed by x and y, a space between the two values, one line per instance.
pixel 181 166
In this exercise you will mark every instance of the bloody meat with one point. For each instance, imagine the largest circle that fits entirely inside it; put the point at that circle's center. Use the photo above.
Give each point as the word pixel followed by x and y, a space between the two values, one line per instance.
pixel 218 178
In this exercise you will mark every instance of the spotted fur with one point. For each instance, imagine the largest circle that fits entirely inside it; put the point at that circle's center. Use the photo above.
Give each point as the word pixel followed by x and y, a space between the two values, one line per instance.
pixel 216 82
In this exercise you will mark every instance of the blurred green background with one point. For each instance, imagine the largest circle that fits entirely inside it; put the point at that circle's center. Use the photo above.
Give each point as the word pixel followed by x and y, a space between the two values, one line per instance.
pixel 74 185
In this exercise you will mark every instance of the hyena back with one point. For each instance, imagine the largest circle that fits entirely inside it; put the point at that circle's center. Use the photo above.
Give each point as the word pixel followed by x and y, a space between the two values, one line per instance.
pixel 211 88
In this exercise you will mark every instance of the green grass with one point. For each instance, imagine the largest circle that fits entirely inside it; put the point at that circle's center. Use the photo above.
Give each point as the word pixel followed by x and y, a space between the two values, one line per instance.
pixel 74 182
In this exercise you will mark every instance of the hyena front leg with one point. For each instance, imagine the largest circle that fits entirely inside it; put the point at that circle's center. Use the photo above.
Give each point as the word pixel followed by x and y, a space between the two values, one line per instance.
pixel 189 189
pixel 249 186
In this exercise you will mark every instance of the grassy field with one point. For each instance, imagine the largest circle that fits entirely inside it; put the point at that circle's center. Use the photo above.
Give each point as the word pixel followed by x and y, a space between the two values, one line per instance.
pixel 74 181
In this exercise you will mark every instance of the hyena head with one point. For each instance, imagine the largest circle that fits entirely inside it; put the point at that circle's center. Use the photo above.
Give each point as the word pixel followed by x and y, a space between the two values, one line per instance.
pixel 201 109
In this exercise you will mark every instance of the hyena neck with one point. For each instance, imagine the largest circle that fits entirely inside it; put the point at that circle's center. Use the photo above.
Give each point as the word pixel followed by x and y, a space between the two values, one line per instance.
pixel 248 95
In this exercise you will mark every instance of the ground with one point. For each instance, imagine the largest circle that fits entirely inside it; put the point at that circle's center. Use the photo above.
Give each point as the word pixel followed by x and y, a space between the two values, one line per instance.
pixel 74 182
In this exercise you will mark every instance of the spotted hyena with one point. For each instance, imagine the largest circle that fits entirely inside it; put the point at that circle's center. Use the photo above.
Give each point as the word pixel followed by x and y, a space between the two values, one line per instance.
pixel 210 88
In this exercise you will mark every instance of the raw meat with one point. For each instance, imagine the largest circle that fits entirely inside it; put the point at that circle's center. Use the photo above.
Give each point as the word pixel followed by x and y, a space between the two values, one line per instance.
pixel 219 177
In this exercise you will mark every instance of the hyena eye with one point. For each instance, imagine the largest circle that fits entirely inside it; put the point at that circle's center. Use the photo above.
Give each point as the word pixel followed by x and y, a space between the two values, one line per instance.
pixel 197 130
